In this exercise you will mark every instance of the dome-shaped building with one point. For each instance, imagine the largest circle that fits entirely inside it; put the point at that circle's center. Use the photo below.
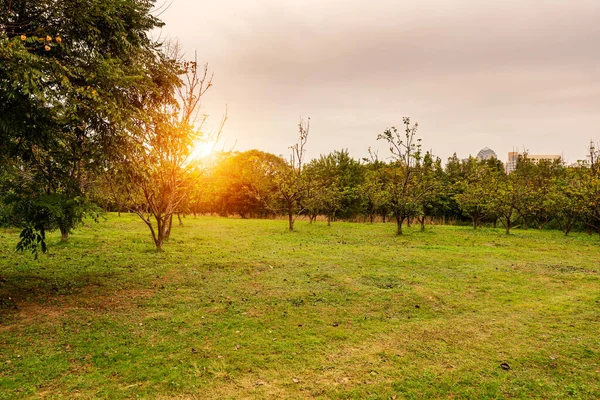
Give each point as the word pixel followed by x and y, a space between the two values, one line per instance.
pixel 485 154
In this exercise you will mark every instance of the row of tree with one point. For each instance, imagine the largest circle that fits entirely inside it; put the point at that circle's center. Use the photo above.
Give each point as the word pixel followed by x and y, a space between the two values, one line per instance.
pixel 408 187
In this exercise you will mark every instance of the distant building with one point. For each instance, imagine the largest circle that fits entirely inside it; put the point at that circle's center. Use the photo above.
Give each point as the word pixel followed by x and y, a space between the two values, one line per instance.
pixel 513 156
pixel 485 154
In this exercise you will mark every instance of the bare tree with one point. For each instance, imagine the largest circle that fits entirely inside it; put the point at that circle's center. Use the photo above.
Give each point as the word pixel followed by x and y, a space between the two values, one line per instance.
pixel 159 168
pixel 290 180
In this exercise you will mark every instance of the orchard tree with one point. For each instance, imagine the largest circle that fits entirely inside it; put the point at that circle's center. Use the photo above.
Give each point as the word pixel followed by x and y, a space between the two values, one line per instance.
pixel 74 75
pixel 401 177
pixel 430 184
pixel 290 179
pixel 244 183
pixel 374 199
pixel 505 199
pixel 566 199
pixel 474 194
pixel 159 167
pixel 326 192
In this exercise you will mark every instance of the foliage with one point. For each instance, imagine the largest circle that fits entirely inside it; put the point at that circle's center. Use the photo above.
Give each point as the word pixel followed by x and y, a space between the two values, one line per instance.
pixel 75 75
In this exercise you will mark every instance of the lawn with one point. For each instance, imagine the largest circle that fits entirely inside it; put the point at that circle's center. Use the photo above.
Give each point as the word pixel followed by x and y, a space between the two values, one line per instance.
pixel 245 309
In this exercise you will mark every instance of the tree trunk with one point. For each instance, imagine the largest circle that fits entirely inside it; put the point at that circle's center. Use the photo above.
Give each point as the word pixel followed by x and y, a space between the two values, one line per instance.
pixel 508 225
pixel 291 219
pixel 568 226
pixel 474 222
pixel 64 235
pixel 158 242
pixel 168 223
pixel 328 219
pixel 399 222
pixel 180 220
pixel 422 223
pixel 158 234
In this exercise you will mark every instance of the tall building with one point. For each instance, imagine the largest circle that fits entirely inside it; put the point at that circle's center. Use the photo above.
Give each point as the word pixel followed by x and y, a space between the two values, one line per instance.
pixel 485 154
pixel 513 156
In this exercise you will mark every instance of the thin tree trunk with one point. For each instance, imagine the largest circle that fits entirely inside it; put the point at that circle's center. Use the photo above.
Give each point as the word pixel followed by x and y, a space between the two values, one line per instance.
pixel 180 220
pixel 168 223
pixel 291 219
pixel 399 222
pixel 422 223
pixel 64 235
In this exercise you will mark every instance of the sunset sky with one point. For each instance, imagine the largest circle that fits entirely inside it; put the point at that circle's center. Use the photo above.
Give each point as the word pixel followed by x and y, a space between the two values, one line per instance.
pixel 503 74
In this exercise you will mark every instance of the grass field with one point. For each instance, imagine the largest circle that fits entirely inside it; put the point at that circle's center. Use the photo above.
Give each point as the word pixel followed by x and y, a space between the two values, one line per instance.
pixel 245 309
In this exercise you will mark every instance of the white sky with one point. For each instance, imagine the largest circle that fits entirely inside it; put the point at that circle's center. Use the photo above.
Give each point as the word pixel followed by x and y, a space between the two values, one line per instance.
pixel 502 74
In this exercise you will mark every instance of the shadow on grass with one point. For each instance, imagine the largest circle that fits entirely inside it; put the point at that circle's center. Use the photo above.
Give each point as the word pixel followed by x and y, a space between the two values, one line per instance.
pixel 17 288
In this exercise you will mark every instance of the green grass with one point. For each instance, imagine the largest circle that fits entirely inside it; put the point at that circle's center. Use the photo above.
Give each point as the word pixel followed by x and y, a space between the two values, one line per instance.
pixel 244 309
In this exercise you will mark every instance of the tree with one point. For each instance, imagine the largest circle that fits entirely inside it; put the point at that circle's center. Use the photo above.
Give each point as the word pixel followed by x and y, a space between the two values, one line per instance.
pixel 290 179
pixel 506 196
pixel 74 75
pixel 334 179
pixel 430 185
pixel 158 166
pixel 566 198
pixel 374 199
pixel 243 183
pixel 402 175
pixel 476 191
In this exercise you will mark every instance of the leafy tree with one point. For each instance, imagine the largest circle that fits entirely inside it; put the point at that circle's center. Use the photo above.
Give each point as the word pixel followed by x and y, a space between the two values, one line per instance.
pixel 430 184
pixel 476 191
pixel 566 198
pixel 506 197
pixel 244 183
pixel 402 175
pixel 335 179
pixel 73 75
pixel 373 197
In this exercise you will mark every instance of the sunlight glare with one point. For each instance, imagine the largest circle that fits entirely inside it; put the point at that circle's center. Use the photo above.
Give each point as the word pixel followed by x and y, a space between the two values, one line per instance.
pixel 202 149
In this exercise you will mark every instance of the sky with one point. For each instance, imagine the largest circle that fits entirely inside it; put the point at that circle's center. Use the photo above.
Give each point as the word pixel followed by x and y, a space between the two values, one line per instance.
pixel 504 74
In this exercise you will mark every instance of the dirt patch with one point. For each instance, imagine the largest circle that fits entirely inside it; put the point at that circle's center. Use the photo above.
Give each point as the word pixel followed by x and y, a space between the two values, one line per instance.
pixel 94 299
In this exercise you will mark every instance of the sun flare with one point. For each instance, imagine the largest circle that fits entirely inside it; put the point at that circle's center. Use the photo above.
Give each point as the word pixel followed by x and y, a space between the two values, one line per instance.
pixel 202 149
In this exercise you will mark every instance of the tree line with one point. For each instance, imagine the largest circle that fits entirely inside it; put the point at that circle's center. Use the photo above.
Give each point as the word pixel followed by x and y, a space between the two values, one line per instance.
pixel 407 187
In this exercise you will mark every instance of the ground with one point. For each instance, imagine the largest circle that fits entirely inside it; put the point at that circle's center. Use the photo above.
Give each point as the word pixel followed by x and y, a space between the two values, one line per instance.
pixel 245 309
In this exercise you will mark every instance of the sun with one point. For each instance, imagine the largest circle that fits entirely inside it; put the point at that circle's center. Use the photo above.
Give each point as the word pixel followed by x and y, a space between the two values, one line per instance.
pixel 202 149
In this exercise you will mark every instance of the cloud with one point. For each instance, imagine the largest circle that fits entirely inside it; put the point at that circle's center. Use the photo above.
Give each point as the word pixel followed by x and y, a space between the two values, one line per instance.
pixel 503 74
